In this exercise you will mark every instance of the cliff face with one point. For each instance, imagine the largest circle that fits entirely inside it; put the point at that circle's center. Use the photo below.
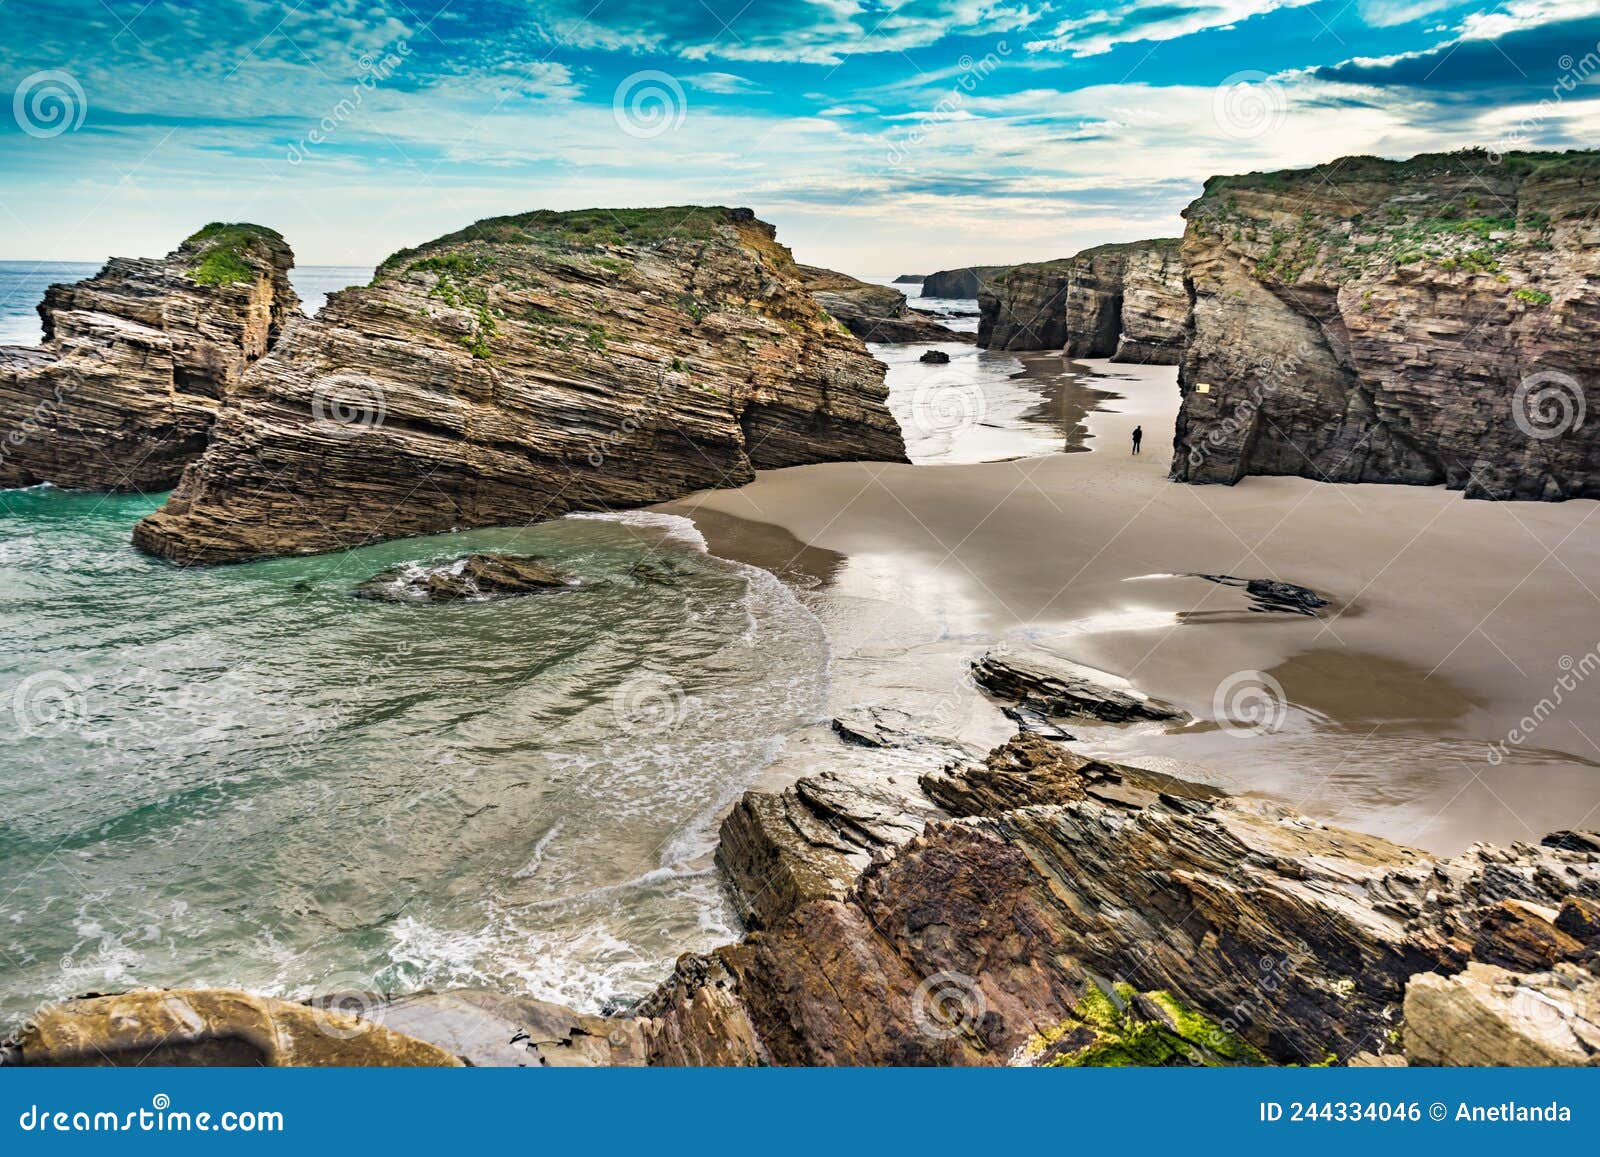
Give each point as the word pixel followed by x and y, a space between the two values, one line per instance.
pixel 871 312
pixel 525 367
pixel 1429 321
pixel 959 283
pixel 137 359
pixel 1125 302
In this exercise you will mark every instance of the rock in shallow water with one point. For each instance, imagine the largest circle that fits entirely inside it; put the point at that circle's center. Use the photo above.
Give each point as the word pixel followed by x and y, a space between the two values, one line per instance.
pixel 472 577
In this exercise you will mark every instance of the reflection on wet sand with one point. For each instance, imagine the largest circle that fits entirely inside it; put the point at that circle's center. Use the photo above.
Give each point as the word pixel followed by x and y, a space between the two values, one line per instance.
pixel 1446 619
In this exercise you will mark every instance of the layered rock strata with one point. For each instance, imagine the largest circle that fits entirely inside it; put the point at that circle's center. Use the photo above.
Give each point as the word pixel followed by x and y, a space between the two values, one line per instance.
pixel 1125 302
pixel 1428 321
pixel 874 313
pixel 137 360
pixel 525 367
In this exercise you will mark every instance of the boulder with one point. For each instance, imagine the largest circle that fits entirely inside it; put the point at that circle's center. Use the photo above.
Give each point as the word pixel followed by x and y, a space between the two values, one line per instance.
pixel 186 1026
pixel 474 577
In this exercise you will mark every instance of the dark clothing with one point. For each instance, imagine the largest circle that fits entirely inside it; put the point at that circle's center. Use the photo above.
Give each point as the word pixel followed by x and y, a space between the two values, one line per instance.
pixel 1138 436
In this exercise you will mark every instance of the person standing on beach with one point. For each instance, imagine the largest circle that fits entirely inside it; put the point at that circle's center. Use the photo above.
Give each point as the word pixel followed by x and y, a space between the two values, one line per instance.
pixel 1138 436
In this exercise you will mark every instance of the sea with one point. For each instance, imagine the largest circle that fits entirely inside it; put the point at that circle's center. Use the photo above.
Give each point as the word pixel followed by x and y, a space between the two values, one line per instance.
pixel 247 776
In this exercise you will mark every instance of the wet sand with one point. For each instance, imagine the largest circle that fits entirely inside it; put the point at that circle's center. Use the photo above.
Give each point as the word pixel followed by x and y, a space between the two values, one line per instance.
pixel 1450 620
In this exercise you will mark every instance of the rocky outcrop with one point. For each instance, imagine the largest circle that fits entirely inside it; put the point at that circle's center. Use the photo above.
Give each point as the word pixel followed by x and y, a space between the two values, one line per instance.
pixel 474 577
pixel 525 367
pixel 1489 1016
pixel 137 359
pixel 1428 321
pixel 496 1029
pixel 1125 302
pixel 873 313
pixel 1217 928
pixel 156 1027
pixel 1052 686
pixel 967 282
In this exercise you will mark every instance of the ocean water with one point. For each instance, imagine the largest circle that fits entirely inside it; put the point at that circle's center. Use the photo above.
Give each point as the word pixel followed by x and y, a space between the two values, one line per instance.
pixel 247 776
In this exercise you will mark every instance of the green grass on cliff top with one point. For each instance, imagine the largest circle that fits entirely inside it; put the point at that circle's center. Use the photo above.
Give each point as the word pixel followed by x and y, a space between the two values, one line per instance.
pixel 1346 170
pixel 583 229
pixel 222 261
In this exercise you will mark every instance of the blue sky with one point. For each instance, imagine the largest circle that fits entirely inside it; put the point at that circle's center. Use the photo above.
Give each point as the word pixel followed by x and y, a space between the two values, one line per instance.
pixel 881 136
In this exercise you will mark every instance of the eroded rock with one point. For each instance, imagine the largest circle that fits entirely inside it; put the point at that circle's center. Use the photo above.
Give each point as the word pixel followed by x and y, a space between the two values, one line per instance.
pixel 525 367
pixel 473 577
pixel 137 360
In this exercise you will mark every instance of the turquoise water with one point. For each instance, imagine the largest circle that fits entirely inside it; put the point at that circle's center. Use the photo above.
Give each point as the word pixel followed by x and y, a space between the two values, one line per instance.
pixel 246 776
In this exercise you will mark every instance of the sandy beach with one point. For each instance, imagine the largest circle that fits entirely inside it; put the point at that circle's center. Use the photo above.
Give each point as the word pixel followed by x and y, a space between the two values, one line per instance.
pixel 1450 620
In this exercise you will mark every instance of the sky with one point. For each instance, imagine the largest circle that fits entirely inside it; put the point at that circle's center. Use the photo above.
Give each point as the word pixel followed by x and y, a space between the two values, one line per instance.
pixel 880 136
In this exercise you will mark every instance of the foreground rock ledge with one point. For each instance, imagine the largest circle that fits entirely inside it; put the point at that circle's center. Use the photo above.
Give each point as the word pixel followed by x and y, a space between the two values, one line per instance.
pixel 525 367
pixel 1036 907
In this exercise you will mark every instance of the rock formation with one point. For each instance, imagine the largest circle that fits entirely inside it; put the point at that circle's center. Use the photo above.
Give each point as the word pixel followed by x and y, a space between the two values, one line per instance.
pixel 1428 321
pixel 910 279
pixel 180 1026
pixel 1125 302
pixel 137 359
pixel 524 367
pixel 473 577
pixel 872 312
pixel 960 283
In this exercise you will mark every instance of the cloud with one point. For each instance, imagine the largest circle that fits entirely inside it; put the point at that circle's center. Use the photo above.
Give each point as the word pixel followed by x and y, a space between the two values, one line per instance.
pixel 1522 55
pixel 724 83
pixel 1102 30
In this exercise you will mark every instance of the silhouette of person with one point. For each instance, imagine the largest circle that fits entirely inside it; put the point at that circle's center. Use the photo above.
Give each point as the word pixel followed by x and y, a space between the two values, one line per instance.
pixel 1138 436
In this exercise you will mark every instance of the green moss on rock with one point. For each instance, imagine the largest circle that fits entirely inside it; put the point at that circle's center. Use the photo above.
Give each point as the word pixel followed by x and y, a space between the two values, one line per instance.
pixel 220 251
